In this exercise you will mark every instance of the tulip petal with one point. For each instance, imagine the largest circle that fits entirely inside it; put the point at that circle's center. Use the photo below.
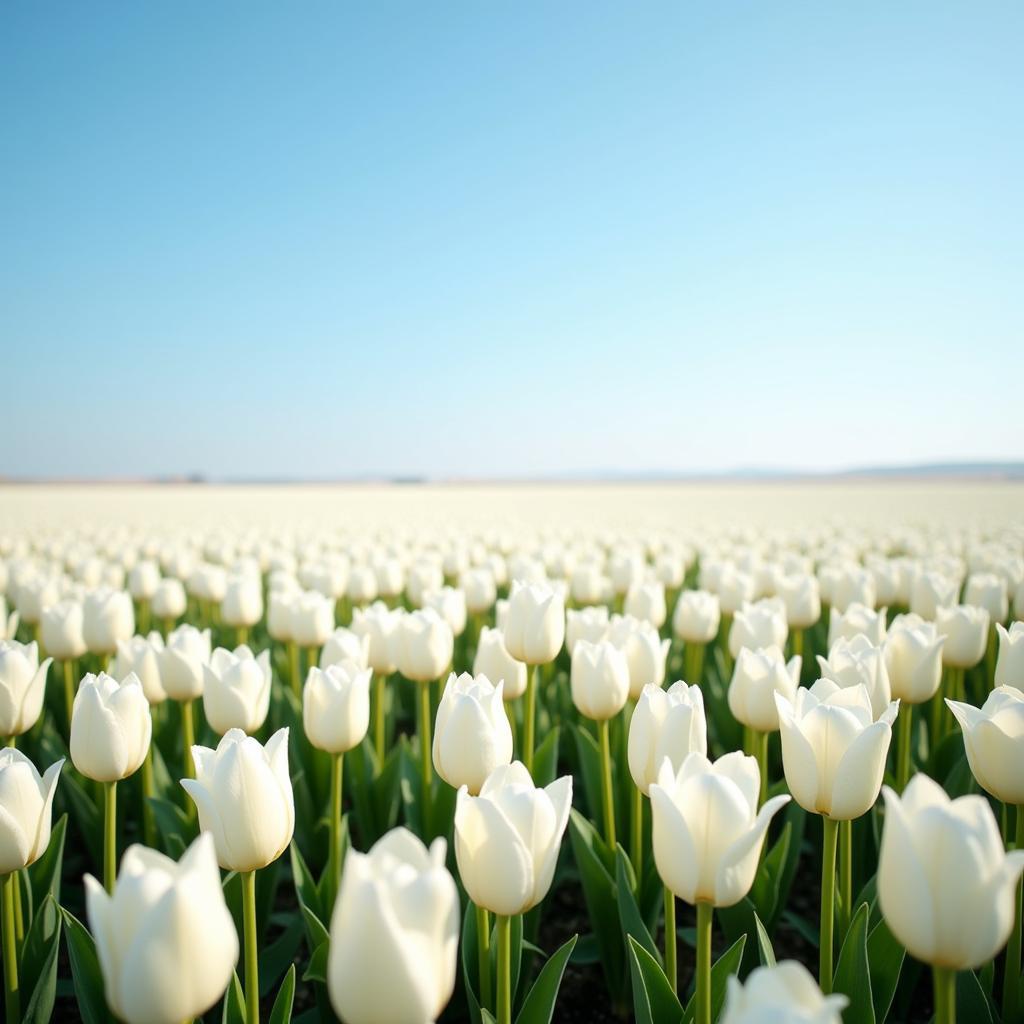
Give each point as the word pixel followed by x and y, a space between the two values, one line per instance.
pixel 738 865
pixel 674 851
pixel 860 772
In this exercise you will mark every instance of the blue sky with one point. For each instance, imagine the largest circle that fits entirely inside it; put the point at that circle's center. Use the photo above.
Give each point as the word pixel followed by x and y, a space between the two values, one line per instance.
pixel 481 239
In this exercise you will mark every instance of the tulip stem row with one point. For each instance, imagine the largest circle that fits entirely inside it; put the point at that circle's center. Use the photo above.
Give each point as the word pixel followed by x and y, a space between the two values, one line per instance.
pixel 705 911
pixel 606 784
pixel 904 735
pixel 12 997
pixel 188 733
pixel 637 838
pixel 671 963
pixel 504 1007
pixel 69 689
pixel 828 903
pixel 426 763
pixel 334 854
pixel 109 835
pixel 252 971
pixel 944 986
pixel 379 716
pixel 529 715
pixel 845 874
pixel 483 945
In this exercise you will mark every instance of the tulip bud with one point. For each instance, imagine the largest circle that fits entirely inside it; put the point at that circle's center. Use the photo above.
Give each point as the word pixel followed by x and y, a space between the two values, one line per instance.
pixel 362 585
pixel 182 661
pixel 8 623
pixel 110 727
pixel 377 626
pixel 450 604
pixel 169 600
pixel 646 653
pixel 336 706
pixel 143 580
pixel 994 742
pixel 61 630
pixel 706 830
pixel 279 615
pixel 244 796
pixel 853 585
pixel 833 749
pixel 507 838
pixel 1010 663
pixel 858 662
pixel 424 646
pixel 480 590
pixel 945 886
pixel 165 939
pixel 22 685
pixel 966 630
pixel 535 624
pixel 666 725
pixel 140 656
pixel 423 577
pixel 856 620
pixel 757 677
pixel 242 604
pixel 390 577
pixel 913 658
pixel 26 801
pixel 758 625
pixel 785 992
pixel 472 734
pixel 312 618
pixel 988 590
pixel 647 601
pixel 696 617
pixel 801 594
pixel 599 678
pixel 589 585
pixel 493 660
pixel 734 589
pixel 108 616
pixel 586 624
pixel 931 591
pixel 236 690
pixel 394 933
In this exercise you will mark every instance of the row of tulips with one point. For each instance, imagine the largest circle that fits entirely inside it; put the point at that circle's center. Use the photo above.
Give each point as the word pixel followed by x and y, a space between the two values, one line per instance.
pixel 383 928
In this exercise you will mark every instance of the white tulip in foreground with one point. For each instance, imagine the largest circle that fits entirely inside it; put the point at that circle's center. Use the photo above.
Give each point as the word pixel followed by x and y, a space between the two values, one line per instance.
pixel 472 734
pixel 336 706
pixel 236 690
pixel 26 800
pixel 666 724
pixel 535 626
pixel 165 939
pixel 394 933
pixel 994 742
pixel 1010 662
pixel 244 796
pixel 599 679
pixel 22 685
pixel 783 994
pixel 507 838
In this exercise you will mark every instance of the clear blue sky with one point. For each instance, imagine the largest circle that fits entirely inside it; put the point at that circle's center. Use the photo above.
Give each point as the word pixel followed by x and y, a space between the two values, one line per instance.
pixel 485 239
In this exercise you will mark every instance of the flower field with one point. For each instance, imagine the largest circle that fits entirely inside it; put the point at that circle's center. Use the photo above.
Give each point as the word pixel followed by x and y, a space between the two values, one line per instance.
pixel 392 755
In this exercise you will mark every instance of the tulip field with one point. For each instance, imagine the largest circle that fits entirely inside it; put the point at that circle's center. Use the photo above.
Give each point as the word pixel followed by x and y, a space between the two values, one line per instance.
pixel 668 753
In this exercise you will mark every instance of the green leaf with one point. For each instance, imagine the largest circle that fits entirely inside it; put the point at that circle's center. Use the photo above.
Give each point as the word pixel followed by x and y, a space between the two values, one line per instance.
pixel 282 1011
pixel 45 873
pixel 545 759
pixel 630 919
pixel 764 893
pixel 317 969
pixel 971 1002
pixel 174 825
pixel 234 1003
pixel 470 961
pixel 540 1003
pixel 85 969
pixel 275 958
pixel 305 885
pixel 728 963
pixel 39 963
pixel 852 974
pixel 590 770
pixel 764 944
pixel 85 813
pixel 885 957
pixel 654 1002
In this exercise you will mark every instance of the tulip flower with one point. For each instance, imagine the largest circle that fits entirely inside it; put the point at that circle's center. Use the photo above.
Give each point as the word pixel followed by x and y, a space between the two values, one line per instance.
pixel 22 685
pixel 378 627
pixel 946 887
pixel 589 585
pixel 758 625
pixel 362 585
pixel 913 661
pixel 168 602
pixel 111 731
pixel 988 590
pixel 26 801
pixel 585 624
pixel 61 632
pixel 833 755
pixel 646 653
pixel 107 616
pixel 394 933
pixel 450 604
pixel 493 660
pixel 165 939
pixel 858 662
pixel 853 585
pixel 242 604
pixel 931 591
pixel 312 621
pixel 335 717
pixel 141 655
pixel 856 620
pixel 801 594
pixel 666 725
pixel 181 671
pixel 785 992
pixel 1010 663
pixel 243 793
pixel 479 588
pixel 695 621
pixel 707 834
pixel 646 601
pixel 236 689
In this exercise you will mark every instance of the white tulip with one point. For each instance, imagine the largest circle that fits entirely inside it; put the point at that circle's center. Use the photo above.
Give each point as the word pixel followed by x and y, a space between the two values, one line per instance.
pixel 111 727
pixel 696 617
pixel 535 626
pixel 666 725
pixel 336 706
pixel 646 653
pixel 61 630
pixel 913 658
pixel 26 801
pixel 647 601
pixel 859 662
pixel 994 742
pixel 493 660
pixel 758 625
pixel 311 617
pixel 236 690
pixel 966 629
pixel 141 656
pixel 424 645
pixel 857 619
pixel 585 624
pixel 1010 662
pixel 757 677
pixel 377 626
pixel 22 686
pixel 801 595
pixel 785 993
pixel 182 660
pixel 108 616
pixel 599 679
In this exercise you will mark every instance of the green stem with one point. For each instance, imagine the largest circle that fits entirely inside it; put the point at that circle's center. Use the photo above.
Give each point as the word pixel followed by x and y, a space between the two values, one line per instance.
pixel 797 643
pixel 188 733
pixel 903 739
pixel 293 665
pixel 19 917
pixel 69 690
pixel 11 741
pixel 334 855
pixel 637 837
pixel 379 717
pixel 426 763
pixel 846 873
pixel 311 658
pixel 944 982
pixel 504 1007
pixel 241 636
pixel 148 791
pixel 252 963
pixel 606 785
pixel 1011 969
pixel 828 903
pixel 705 911
pixel 529 714
pixel 483 945
pixel 109 835
pixel 671 965
pixel 759 741
pixel 12 996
